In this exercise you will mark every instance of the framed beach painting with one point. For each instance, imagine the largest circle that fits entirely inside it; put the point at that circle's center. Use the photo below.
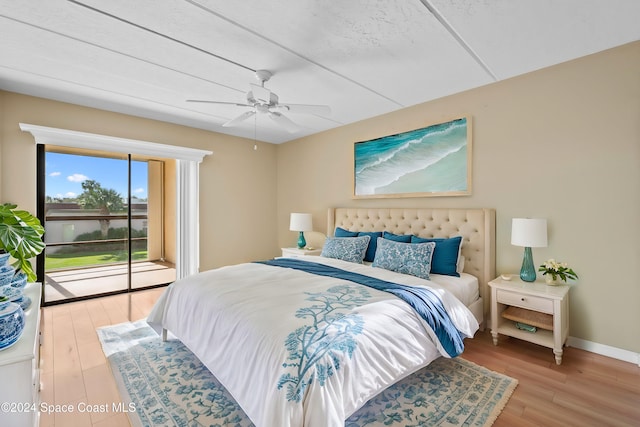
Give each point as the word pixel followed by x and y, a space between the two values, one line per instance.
pixel 431 161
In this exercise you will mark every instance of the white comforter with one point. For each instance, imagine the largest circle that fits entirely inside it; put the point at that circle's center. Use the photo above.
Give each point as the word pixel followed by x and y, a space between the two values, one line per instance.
pixel 296 349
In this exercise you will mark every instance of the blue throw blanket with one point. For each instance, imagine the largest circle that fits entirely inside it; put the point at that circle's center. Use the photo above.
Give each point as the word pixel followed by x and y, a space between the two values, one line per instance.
pixel 422 300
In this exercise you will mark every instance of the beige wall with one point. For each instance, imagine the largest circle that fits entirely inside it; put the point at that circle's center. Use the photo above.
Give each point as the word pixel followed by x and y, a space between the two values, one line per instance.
pixel 562 143
pixel 155 210
pixel 237 184
pixel 170 211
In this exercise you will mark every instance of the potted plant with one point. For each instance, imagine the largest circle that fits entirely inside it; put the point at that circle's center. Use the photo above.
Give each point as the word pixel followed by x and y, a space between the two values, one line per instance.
pixel 554 270
pixel 20 236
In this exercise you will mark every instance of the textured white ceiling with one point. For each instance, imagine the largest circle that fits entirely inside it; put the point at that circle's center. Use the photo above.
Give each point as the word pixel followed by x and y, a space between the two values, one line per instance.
pixel 362 58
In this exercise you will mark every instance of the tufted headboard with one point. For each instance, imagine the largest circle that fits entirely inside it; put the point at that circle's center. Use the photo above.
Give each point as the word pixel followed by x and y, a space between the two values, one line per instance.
pixel 476 226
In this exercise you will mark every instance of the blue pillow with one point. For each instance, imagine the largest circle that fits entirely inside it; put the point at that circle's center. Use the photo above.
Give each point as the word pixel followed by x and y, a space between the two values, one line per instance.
pixel 350 249
pixel 341 232
pixel 373 243
pixel 445 255
pixel 406 258
pixel 402 238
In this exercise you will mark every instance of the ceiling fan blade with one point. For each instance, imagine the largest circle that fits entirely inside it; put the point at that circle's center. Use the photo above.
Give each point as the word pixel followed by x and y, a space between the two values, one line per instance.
pixel 283 121
pixel 242 117
pixel 261 93
pixel 204 101
pixel 320 110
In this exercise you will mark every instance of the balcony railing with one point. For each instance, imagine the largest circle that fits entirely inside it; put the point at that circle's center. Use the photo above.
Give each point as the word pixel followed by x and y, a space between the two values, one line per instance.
pixel 112 248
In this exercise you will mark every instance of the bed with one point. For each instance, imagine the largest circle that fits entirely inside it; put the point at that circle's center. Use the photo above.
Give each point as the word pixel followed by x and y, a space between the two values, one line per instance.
pixel 476 226
pixel 302 342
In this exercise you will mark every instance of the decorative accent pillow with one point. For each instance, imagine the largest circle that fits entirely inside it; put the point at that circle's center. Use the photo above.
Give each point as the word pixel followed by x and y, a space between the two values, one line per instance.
pixel 445 255
pixel 373 243
pixel 402 238
pixel 407 258
pixel 460 266
pixel 350 249
pixel 341 232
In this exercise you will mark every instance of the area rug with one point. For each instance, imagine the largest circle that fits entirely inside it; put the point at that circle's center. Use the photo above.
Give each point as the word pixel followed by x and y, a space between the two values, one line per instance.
pixel 168 386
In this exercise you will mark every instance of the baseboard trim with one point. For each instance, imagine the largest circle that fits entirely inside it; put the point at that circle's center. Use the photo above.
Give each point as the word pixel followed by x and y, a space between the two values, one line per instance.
pixel 605 350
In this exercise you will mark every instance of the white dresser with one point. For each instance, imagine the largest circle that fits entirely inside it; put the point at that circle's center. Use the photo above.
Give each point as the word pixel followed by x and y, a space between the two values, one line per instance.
pixel 19 370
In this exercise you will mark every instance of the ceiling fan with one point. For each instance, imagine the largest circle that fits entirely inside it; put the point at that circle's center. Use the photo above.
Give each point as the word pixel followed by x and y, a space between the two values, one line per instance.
pixel 262 100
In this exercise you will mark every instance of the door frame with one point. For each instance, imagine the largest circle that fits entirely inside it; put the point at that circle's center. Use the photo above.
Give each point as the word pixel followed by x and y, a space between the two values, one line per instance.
pixel 187 182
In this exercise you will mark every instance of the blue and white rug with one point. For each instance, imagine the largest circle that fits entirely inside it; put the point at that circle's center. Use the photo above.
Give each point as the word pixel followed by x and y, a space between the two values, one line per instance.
pixel 168 386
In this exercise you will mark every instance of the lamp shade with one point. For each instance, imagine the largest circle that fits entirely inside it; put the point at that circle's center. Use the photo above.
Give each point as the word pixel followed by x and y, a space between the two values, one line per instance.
pixel 529 232
pixel 300 222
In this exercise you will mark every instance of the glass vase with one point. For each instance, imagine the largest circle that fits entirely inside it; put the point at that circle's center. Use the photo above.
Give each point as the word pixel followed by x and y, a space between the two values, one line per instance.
pixel 527 272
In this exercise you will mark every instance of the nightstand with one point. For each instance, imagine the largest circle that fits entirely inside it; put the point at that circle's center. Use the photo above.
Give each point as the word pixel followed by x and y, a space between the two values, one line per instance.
pixel 295 252
pixel 531 303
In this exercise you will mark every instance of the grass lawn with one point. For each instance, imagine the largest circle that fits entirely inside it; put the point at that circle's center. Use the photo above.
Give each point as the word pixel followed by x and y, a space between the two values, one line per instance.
pixel 58 261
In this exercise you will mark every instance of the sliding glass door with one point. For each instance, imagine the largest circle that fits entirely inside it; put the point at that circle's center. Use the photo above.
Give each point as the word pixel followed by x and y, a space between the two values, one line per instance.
pixel 104 224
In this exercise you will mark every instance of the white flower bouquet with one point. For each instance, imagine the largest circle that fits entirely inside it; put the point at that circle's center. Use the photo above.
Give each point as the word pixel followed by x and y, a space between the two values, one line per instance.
pixel 557 270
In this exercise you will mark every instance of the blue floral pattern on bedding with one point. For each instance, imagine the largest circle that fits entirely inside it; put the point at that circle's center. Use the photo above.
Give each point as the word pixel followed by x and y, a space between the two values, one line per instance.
pixel 316 349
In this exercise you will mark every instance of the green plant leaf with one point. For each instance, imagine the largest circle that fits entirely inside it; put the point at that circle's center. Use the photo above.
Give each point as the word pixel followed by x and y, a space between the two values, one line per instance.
pixel 21 236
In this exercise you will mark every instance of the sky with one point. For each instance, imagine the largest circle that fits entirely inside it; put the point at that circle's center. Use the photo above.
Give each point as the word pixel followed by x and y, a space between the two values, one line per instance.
pixel 66 172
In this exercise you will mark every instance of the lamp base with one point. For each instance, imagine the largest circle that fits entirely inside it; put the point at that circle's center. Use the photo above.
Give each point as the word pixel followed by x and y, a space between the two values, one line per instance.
pixel 301 241
pixel 528 271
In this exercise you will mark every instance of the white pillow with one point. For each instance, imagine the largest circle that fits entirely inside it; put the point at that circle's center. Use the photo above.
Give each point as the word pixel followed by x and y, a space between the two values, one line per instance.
pixel 460 265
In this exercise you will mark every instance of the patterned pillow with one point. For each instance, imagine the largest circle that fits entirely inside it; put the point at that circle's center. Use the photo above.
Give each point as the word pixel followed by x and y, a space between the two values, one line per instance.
pixel 407 258
pixel 350 249
pixel 373 243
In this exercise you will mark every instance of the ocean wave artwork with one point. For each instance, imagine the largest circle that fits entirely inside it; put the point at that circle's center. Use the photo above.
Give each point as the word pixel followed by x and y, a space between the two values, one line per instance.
pixel 432 159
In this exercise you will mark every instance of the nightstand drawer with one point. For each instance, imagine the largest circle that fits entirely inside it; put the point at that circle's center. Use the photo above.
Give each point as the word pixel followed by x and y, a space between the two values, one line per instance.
pixel 525 301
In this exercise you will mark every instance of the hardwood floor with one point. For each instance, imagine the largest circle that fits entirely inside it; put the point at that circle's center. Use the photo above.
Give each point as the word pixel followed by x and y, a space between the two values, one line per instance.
pixel 586 390
pixel 74 370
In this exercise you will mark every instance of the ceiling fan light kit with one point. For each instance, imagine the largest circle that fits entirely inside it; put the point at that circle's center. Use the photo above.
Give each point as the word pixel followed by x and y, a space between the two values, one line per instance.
pixel 262 100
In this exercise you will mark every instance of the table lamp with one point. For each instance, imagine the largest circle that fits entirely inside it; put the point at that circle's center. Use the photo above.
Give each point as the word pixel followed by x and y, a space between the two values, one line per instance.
pixel 530 233
pixel 300 222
